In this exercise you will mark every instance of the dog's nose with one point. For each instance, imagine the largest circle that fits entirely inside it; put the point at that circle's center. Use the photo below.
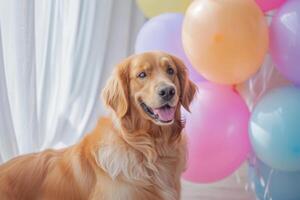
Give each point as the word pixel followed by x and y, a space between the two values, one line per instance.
pixel 167 93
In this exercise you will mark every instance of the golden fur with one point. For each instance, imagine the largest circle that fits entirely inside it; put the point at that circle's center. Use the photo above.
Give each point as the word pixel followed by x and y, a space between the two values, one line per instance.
pixel 128 156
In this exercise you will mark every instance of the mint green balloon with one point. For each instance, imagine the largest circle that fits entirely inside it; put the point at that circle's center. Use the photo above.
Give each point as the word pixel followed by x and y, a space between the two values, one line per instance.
pixel 275 129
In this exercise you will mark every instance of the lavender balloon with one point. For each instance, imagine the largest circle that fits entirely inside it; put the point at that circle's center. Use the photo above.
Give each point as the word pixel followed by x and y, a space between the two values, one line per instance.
pixel 163 33
pixel 285 40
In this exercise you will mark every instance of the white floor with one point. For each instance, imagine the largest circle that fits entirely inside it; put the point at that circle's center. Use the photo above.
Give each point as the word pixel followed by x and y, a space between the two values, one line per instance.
pixel 232 188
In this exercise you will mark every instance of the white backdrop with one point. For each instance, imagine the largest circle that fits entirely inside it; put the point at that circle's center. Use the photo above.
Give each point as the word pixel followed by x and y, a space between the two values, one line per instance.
pixel 55 56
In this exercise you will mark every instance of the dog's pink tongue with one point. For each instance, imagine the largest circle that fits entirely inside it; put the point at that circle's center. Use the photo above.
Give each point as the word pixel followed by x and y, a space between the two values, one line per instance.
pixel 165 114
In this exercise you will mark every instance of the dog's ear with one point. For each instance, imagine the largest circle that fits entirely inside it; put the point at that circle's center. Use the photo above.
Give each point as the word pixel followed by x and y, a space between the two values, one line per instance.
pixel 187 87
pixel 115 93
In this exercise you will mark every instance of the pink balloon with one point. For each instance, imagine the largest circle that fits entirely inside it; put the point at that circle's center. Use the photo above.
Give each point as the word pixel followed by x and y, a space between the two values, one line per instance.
pixel 267 5
pixel 217 129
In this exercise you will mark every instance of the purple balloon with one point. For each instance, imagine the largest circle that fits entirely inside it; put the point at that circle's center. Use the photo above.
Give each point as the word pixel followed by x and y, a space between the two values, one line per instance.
pixel 285 40
pixel 163 33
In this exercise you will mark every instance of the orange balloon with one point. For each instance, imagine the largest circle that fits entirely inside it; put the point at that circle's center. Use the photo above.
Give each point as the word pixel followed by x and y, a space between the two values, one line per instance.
pixel 225 40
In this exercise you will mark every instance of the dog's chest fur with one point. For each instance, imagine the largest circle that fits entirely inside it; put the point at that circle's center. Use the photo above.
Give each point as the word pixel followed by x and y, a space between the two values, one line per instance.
pixel 155 167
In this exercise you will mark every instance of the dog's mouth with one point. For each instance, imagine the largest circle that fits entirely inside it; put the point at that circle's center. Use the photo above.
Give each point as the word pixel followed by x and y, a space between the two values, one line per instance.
pixel 164 114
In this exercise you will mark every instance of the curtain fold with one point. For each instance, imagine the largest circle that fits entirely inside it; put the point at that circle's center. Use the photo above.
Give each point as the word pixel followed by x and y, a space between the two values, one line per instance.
pixel 55 57
pixel 18 45
pixel 8 142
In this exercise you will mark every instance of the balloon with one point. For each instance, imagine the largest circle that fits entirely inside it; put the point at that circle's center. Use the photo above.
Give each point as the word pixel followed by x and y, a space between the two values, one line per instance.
pixel 267 5
pixel 164 33
pixel 225 40
pixel 217 131
pixel 275 128
pixel 274 184
pixel 151 8
pixel 285 40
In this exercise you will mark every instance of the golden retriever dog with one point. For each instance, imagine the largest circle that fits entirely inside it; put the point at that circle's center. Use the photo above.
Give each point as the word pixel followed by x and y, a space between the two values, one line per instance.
pixel 138 153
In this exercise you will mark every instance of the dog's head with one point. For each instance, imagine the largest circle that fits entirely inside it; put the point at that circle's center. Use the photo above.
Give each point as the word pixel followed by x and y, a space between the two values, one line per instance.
pixel 153 85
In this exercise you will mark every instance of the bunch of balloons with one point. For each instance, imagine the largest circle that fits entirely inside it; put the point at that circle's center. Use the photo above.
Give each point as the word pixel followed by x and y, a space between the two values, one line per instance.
pixel 274 126
pixel 224 43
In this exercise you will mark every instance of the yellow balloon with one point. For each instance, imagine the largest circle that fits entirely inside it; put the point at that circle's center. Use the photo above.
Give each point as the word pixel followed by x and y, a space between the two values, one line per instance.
pixel 152 8
pixel 225 40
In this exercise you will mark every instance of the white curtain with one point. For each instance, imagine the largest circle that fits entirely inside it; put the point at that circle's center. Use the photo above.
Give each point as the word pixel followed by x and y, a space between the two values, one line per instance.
pixel 55 56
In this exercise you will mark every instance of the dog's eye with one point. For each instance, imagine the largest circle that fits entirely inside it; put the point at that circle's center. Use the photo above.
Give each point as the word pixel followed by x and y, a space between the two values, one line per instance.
pixel 170 71
pixel 142 75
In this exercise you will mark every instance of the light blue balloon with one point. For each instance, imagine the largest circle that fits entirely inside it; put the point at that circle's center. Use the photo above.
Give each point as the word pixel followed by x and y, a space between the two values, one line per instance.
pixel 275 129
pixel 274 184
